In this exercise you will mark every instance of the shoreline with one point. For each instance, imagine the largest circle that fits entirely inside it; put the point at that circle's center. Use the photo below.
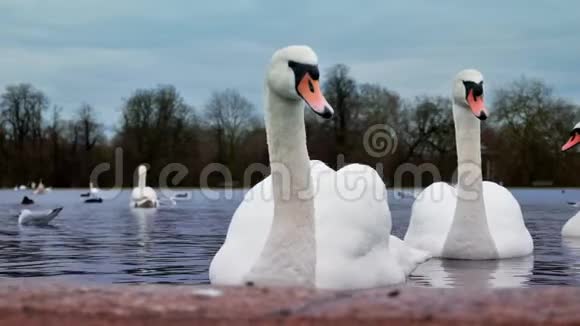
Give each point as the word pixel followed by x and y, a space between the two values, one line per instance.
pixel 25 303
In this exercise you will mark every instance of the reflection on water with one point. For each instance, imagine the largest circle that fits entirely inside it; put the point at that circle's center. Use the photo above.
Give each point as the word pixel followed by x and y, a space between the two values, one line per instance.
pixel 113 243
pixel 470 273
pixel 571 247
pixel 144 219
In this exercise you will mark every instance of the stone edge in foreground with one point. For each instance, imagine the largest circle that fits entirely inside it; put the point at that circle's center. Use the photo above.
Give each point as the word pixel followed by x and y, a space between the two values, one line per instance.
pixel 40 303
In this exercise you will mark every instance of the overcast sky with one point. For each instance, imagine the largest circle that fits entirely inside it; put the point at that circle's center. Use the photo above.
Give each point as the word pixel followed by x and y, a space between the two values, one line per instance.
pixel 99 51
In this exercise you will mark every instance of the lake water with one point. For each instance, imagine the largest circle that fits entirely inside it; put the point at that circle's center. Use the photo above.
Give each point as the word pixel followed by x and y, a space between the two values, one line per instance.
pixel 111 243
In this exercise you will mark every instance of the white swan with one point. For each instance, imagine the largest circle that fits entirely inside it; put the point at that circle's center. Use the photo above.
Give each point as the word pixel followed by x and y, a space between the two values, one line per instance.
pixel 92 189
pixel 305 224
pixel 40 189
pixel 39 218
pixel 477 219
pixel 572 226
pixel 142 196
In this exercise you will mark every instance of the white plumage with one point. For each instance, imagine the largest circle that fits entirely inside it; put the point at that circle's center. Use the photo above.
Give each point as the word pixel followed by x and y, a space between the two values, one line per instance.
pixel 39 218
pixel 143 196
pixel 474 219
pixel 306 224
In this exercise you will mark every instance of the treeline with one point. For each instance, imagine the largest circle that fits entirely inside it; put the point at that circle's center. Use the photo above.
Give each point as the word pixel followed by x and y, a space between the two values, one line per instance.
pixel 521 140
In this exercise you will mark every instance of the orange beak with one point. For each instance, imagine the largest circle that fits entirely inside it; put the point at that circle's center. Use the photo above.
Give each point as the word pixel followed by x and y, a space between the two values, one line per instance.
pixel 477 105
pixel 309 90
pixel 573 141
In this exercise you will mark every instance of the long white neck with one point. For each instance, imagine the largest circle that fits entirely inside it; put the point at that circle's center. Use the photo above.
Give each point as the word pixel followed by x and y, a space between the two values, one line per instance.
pixel 469 236
pixel 141 182
pixel 289 255
pixel 468 142
pixel 289 160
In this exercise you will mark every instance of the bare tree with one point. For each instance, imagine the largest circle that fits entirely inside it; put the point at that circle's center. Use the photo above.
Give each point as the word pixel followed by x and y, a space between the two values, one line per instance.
pixel 531 124
pixel 427 128
pixel 231 116
pixel 22 106
pixel 54 131
pixel 153 119
pixel 157 127
pixel 340 90
pixel 91 129
pixel 378 105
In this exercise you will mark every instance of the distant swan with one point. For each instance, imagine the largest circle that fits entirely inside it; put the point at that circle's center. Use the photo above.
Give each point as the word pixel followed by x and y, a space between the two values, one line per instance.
pixel 93 191
pixel 40 189
pixel 572 227
pixel 142 196
pixel 39 218
pixel 475 219
pixel 323 228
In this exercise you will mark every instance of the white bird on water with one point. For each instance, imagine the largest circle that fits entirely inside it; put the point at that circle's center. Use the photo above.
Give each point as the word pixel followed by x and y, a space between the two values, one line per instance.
pixel 41 189
pixel 143 196
pixel 475 219
pixel 38 218
pixel 572 226
pixel 317 231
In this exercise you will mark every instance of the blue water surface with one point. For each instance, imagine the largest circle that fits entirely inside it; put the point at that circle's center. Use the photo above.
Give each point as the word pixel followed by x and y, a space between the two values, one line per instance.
pixel 112 243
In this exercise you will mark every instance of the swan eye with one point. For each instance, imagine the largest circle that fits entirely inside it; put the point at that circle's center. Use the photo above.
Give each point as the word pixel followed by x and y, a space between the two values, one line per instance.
pixel 473 88
pixel 301 69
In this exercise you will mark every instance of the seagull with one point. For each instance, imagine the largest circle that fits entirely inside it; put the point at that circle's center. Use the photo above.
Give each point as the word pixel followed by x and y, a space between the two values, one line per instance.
pixel 38 218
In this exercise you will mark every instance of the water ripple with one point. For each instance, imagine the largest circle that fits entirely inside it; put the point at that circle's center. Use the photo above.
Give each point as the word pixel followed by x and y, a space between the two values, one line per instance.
pixel 111 243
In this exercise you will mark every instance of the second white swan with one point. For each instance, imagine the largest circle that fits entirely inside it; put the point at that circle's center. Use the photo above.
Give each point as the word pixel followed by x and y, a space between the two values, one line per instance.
pixel 476 219
pixel 572 226
pixel 306 224
pixel 143 196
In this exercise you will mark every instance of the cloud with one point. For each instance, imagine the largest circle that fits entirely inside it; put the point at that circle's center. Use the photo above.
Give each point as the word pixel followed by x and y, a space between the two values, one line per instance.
pixel 99 51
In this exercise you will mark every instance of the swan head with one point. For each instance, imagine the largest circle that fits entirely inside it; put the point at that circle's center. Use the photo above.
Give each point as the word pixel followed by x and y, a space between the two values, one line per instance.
pixel 574 138
pixel 142 170
pixel 468 92
pixel 293 75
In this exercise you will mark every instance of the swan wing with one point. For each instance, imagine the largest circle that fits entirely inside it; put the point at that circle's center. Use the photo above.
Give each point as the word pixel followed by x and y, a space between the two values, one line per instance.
pixel 353 229
pixel 135 194
pixel 506 222
pixel 150 193
pixel 248 231
pixel 246 236
pixel 353 224
pixel 431 218
pixel 572 227
pixel 407 257
pixel 146 200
